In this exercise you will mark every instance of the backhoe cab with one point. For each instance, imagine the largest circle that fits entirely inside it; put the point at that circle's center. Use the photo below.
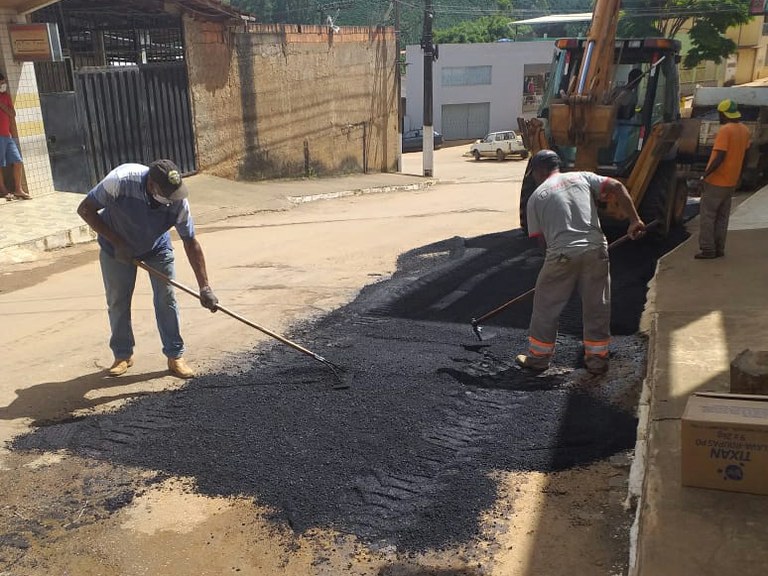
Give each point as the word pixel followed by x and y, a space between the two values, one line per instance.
pixel 616 118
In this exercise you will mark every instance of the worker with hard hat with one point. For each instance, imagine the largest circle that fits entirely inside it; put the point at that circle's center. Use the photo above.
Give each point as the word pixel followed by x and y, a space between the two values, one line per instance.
pixel 720 180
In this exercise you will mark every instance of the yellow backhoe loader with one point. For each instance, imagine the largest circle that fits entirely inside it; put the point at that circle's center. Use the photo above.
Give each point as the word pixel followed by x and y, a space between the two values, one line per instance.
pixel 612 106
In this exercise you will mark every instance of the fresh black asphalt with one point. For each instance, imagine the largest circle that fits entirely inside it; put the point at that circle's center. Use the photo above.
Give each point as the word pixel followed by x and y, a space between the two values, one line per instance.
pixel 404 455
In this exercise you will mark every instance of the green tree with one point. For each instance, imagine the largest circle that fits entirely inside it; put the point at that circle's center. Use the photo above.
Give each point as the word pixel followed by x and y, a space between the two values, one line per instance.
pixel 706 21
pixel 485 29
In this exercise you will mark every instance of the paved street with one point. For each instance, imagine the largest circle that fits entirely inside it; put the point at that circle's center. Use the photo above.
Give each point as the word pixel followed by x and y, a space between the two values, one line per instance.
pixel 441 458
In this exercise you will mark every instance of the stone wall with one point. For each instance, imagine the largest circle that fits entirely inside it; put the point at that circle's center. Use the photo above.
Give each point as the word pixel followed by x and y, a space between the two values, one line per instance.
pixel 285 100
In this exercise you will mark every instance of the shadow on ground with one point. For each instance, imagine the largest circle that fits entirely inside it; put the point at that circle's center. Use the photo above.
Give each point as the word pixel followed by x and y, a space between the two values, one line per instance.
pixel 406 455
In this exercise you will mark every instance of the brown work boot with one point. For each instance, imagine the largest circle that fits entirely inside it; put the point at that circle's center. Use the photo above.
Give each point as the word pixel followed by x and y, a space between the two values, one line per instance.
pixel 596 365
pixel 538 364
pixel 180 368
pixel 120 366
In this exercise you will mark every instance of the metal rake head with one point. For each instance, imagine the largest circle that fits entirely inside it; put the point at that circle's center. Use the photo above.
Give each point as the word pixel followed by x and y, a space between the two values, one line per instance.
pixel 477 329
pixel 339 383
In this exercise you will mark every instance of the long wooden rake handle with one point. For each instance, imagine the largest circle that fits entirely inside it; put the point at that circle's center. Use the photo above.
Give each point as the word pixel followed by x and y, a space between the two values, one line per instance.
pixel 236 316
pixel 495 311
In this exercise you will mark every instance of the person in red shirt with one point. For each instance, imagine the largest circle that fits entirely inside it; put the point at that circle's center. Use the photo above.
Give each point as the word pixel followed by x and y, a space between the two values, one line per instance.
pixel 9 151
pixel 720 180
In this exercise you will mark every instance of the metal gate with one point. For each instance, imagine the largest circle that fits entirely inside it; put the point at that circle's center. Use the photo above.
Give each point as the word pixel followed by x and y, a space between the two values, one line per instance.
pixel 464 121
pixel 65 134
pixel 136 114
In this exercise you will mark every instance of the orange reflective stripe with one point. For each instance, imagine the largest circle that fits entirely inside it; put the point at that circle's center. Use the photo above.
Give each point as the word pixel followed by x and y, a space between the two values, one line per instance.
pixel 538 354
pixel 533 341
pixel 597 348
pixel 599 354
pixel 539 348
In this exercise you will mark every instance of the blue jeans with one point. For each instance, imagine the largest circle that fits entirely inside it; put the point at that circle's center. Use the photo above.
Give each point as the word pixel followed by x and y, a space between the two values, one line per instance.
pixel 119 282
pixel 9 151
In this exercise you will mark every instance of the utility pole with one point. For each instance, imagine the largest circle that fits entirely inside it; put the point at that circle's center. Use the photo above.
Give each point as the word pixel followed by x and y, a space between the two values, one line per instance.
pixel 399 89
pixel 429 50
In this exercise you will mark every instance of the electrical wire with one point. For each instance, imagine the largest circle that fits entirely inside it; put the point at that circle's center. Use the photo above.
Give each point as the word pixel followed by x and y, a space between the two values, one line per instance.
pixel 451 9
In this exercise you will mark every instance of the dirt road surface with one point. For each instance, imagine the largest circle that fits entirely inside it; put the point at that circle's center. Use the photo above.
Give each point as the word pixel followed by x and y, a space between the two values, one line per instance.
pixel 441 459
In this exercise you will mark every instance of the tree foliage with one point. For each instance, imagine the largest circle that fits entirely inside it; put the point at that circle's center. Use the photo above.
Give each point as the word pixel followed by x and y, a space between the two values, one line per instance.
pixel 486 29
pixel 705 20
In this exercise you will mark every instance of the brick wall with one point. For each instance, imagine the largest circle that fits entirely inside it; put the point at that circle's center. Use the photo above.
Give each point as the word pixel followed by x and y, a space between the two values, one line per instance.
pixel 281 100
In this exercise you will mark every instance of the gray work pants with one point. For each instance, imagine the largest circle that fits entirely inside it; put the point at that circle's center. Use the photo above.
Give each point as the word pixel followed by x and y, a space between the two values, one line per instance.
pixel 589 272
pixel 714 212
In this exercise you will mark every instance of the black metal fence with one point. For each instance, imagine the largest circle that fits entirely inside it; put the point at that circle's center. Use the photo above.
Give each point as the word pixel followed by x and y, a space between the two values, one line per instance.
pixel 136 114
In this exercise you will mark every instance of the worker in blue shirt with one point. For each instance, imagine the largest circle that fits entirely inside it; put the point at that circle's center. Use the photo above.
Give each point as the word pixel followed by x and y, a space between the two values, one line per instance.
pixel 132 210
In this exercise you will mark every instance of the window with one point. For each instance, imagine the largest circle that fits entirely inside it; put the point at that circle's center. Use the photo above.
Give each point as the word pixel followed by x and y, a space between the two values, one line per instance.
pixel 466 76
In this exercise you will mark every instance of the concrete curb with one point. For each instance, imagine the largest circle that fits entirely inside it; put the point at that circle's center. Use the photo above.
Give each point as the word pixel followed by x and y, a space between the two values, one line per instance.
pixel 637 471
pixel 54 241
pixel 82 234
pixel 360 191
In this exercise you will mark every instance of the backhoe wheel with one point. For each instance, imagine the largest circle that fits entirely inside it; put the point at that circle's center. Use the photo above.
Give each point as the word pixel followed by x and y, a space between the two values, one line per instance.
pixel 500 155
pixel 661 200
pixel 476 154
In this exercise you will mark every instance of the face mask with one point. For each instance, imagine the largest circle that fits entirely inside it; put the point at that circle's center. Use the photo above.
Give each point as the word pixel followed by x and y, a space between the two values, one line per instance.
pixel 161 200
pixel 3 87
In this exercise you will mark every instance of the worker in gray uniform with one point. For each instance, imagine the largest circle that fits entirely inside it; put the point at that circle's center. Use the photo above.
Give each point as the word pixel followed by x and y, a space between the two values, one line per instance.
pixel 562 212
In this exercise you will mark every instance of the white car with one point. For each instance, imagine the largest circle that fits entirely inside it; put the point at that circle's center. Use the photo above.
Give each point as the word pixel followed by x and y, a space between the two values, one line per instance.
pixel 499 145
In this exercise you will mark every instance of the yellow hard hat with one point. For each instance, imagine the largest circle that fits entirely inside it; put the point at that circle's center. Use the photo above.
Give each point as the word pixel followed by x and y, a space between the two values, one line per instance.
pixel 729 109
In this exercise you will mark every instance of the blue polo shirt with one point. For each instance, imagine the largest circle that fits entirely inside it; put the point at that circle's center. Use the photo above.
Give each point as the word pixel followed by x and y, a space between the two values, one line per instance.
pixel 126 208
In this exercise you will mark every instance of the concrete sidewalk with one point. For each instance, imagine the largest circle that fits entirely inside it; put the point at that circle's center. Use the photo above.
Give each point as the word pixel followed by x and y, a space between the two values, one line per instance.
pixel 701 314
pixel 51 221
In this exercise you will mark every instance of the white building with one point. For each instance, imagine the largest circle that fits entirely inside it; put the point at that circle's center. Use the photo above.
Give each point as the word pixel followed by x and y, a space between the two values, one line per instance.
pixel 478 88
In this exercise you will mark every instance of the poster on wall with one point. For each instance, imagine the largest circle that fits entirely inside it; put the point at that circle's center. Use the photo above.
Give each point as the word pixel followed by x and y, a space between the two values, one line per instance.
pixel 535 77
pixel 35 42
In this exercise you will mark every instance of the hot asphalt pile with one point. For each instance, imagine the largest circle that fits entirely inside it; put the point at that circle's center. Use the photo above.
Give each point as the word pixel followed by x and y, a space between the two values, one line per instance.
pixel 404 455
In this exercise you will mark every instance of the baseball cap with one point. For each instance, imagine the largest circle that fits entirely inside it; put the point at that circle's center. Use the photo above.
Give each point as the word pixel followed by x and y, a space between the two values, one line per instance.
pixel 168 176
pixel 547 159
pixel 729 109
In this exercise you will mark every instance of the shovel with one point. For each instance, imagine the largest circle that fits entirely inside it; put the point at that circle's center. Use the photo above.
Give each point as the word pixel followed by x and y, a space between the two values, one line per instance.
pixel 478 330
pixel 336 370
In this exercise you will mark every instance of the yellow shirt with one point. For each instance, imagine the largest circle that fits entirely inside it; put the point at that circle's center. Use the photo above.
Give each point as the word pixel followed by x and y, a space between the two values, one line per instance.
pixel 733 139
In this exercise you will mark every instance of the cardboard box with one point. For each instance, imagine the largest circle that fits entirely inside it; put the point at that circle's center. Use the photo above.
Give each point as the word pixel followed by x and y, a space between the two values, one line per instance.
pixel 724 442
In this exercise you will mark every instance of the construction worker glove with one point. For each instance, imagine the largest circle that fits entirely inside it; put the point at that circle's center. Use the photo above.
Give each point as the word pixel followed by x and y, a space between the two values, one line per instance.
pixel 208 299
